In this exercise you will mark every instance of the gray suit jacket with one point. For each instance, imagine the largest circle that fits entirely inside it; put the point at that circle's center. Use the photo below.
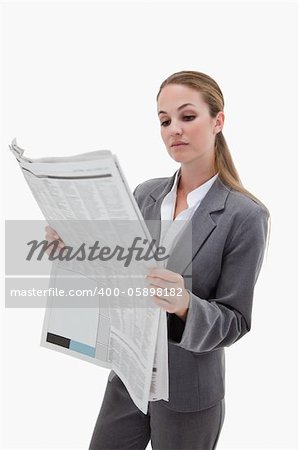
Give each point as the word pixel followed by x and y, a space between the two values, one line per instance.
pixel 229 232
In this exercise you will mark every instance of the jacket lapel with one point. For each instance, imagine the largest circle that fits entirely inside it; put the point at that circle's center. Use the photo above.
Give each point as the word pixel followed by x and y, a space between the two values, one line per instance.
pixel 197 230
pixel 152 212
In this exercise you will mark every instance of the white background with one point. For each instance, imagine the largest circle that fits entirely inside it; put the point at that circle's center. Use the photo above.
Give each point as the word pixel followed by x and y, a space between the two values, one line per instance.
pixel 80 77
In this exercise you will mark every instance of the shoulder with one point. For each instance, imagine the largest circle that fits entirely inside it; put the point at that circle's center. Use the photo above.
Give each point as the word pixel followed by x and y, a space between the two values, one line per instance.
pixel 244 206
pixel 238 212
pixel 143 190
pixel 247 219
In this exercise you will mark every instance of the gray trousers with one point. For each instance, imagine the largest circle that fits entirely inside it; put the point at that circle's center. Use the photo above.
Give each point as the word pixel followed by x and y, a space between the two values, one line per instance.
pixel 122 426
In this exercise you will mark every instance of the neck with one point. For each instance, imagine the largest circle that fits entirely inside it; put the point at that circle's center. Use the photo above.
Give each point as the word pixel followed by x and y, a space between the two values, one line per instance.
pixel 193 177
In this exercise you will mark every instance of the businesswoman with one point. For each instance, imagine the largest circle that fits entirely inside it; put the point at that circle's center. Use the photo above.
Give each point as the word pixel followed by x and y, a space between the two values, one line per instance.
pixel 217 277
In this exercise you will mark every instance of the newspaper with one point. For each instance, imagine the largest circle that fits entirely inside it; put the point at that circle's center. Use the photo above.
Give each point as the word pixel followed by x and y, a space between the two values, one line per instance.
pixel 86 199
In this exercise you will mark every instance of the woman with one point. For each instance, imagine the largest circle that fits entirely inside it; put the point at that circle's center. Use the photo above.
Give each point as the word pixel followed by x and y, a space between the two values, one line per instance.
pixel 229 233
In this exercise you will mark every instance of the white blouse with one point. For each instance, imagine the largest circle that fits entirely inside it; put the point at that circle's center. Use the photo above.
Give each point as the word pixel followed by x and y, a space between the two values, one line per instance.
pixel 172 228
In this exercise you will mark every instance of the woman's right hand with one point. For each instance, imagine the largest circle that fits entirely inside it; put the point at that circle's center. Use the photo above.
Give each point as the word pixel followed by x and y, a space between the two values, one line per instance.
pixel 51 236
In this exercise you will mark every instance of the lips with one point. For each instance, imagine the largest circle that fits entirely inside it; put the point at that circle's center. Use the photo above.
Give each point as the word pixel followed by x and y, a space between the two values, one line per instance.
pixel 178 143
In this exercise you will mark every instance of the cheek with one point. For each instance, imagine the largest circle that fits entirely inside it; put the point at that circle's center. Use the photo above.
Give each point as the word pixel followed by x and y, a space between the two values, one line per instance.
pixel 200 130
pixel 163 133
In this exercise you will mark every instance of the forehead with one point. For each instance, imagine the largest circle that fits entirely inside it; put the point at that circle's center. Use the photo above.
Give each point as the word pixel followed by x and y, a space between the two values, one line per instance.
pixel 174 95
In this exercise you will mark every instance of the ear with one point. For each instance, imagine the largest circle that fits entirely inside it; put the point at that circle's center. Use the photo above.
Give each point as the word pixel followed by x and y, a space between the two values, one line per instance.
pixel 219 122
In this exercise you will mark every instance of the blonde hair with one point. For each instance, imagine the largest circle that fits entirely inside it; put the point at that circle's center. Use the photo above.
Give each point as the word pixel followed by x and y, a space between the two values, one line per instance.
pixel 213 97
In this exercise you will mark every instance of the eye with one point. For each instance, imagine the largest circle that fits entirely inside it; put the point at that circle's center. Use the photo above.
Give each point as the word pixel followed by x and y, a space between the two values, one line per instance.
pixel 188 118
pixel 165 123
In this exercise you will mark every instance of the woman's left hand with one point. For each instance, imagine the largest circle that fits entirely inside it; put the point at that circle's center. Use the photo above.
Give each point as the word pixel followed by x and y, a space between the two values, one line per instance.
pixel 170 292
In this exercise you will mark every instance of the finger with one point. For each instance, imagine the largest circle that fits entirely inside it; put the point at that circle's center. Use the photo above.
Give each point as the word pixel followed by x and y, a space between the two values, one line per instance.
pixel 55 243
pixel 53 237
pixel 52 250
pixel 163 304
pixel 54 246
pixel 49 229
pixel 165 274
pixel 163 294
pixel 159 282
pixel 53 233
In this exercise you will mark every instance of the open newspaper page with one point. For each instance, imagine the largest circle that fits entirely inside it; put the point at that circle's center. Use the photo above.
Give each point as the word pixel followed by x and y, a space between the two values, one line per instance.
pixel 116 325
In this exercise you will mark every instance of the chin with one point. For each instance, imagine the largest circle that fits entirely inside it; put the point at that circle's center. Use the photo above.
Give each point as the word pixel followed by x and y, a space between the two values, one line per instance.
pixel 187 156
pixel 181 157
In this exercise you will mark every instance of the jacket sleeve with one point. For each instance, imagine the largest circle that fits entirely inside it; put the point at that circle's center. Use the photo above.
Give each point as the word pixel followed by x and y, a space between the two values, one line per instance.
pixel 221 321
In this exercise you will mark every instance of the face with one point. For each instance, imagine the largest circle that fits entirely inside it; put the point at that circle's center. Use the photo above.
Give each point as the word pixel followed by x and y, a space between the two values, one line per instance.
pixel 187 129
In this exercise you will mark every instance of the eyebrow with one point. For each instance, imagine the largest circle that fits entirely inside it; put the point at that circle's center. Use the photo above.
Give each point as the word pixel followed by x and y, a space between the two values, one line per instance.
pixel 179 108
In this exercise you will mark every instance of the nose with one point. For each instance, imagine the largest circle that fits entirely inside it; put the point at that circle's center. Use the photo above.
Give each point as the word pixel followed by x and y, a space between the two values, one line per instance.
pixel 175 129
